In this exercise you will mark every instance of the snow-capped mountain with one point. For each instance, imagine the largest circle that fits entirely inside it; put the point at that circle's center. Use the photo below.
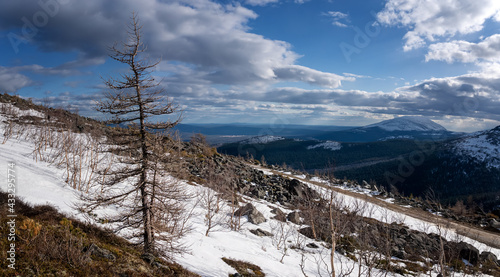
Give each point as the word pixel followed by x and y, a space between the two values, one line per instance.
pixel 406 127
pixel 481 146
pixel 409 123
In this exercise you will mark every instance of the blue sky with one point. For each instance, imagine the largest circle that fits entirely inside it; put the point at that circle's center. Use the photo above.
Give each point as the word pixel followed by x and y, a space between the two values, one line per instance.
pixel 336 62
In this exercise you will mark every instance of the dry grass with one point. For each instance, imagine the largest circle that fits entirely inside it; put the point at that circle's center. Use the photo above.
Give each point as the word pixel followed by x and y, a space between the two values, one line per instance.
pixel 245 269
pixel 50 244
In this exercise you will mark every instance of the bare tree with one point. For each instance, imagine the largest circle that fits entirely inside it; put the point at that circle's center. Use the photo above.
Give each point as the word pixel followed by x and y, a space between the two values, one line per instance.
pixel 150 204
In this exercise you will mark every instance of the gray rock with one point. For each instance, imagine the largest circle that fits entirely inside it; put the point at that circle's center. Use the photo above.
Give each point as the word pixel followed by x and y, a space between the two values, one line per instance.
pixel 468 252
pixel 101 253
pixel 312 245
pixel 494 223
pixel 308 232
pixel 261 233
pixel 294 217
pixel 489 257
pixel 148 258
pixel 279 214
pixel 254 216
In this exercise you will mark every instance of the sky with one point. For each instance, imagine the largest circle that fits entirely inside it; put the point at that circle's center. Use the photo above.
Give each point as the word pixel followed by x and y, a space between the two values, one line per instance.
pixel 316 62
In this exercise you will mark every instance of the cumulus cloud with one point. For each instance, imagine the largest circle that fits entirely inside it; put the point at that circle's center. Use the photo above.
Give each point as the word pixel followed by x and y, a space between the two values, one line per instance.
pixel 311 76
pixel 11 81
pixel 467 52
pixel 214 39
pixel 428 20
pixel 473 95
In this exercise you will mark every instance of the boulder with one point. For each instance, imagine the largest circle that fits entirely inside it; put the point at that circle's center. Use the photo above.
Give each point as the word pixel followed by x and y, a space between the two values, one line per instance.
pixel 312 245
pixel 295 187
pixel 294 217
pixel 254 216
pixel 261 233
pixel 101 253
pixel 308 232
pixel 495 224
pixel 398 253
pixel 489 258
pixel 279 214
pixel 468 252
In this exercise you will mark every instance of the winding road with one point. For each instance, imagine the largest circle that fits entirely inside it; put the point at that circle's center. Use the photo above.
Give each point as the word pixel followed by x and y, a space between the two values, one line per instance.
pixel 489 238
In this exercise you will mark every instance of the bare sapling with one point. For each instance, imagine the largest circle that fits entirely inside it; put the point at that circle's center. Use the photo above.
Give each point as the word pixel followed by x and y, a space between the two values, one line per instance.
pixel 282 232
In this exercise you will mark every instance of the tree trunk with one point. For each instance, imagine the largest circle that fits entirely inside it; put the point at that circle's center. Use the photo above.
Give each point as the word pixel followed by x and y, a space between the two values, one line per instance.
pixel 333 235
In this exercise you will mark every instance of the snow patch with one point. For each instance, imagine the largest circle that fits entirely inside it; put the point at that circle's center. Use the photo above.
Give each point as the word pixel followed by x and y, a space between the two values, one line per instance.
pixel 482 147
pixel 262 139
pixel 329 145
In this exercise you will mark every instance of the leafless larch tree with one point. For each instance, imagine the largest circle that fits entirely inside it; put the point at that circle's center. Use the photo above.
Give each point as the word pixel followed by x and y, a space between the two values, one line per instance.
pixel 149 201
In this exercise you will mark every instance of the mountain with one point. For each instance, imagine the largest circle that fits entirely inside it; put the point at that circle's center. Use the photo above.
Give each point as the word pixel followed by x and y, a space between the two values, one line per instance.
pixel 232 132
pixel 406 127
pixel 461 168
pixel 465 168
pixel 408 123
pixel 242 219
pixel 483 147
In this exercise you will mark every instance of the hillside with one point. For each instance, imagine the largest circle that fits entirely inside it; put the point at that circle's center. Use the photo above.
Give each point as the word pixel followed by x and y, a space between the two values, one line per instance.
pixel 311 155
pixel 267 222
pixel 463 169
pixel 483 147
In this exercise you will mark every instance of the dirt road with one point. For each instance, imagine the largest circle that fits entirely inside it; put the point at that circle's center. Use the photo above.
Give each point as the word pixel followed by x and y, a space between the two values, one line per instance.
pixel 489 238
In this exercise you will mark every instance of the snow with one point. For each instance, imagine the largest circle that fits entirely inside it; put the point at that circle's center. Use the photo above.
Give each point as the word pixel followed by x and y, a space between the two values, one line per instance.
pixel 408 123
pixel 329 145
pixel 396 137
pixel 39 182
pixel 13 110
pixel 262 139
pixel 482 147
pixel 206 251
pixel 382 214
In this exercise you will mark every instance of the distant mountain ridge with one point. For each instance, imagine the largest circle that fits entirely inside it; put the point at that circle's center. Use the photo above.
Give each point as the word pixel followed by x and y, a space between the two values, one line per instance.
pixel 408 123
pixel 406 127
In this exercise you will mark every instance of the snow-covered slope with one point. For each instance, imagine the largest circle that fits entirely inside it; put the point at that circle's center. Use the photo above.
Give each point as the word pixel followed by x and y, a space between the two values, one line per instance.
pixel 330 145
pixel 408 123
pixel 262 139
pixel 40 183
pixel 482 146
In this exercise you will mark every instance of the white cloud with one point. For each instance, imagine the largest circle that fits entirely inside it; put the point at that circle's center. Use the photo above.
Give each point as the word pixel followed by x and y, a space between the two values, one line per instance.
pixel 337 18
pixel 213 39
pixel 428 20
pixel 260 2
pixel 467 52
pixel 11 81
pixel 311 76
